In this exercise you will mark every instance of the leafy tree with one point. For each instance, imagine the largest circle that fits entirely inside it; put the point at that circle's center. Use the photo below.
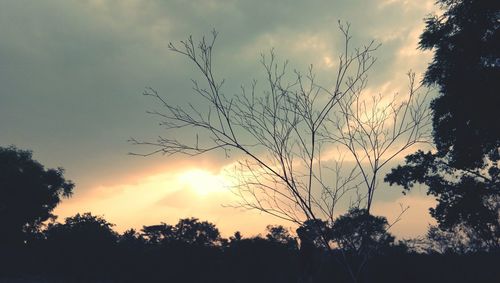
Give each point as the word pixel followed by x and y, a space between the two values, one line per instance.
pixel 448 241
pixel 28 194
pixel 193 231
pixel 131 239
pixel 259 259
pixel 84 229
pixel 466 68
pixel 130 235
pixel 156 234
pixel 188 230
pixel 463 173
pixel 314 238
pixel 359 232
pixel 360 235
pixel 83 246
pixel 315 233
pixel 280 235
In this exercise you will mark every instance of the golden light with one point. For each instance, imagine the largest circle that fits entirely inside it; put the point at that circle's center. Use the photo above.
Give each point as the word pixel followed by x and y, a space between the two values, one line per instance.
pixel 203 182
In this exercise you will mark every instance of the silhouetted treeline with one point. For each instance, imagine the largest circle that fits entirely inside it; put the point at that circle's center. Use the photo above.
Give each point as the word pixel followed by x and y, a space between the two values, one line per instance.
pixel 86 249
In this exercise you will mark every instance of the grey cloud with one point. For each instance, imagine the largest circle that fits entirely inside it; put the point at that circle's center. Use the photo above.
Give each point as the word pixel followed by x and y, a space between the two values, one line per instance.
pixel 72 71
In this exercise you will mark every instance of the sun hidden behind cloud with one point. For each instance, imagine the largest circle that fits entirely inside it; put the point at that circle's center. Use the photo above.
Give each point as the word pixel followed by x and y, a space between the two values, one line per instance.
pixel 203 182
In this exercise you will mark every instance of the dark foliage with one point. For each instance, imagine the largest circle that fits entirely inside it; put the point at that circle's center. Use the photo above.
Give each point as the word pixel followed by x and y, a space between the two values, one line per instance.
pixel 359 232
pixel 464 199
pixel 280 235
pixel 314 232
pixel 85 249
pixel 189 231
pixel 463 174
pixel 83 245
pixel 260 259
pixel 28 194
pixel 466 67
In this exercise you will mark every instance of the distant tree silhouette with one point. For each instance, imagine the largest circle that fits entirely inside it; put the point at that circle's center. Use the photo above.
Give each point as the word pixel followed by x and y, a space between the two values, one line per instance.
pixel 236 237
pixel 359 232
pixel 130 237
pixel 314 236
pixel 28 194
pixel 448 241
pixel 360 236
pixel 259 259
pixel 315 232
pixel 188 231
pixel 132 241
pixel 85 227
pixel 463 174
pixel 82 231
pixel 82 246
pixel 156 234
pixel 85 249
pixel 281 235
pixel 195 232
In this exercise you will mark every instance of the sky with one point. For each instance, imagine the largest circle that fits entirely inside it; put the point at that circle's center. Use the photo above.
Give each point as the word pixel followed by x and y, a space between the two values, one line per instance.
pixel 73 73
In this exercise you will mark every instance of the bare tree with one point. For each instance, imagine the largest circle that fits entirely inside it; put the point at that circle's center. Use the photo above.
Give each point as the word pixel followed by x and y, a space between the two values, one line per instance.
pixel 289 132
pixel 375 129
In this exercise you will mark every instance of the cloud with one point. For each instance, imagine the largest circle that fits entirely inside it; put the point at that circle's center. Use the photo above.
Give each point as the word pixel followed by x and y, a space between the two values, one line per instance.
pixel 414 221
pixel 73 73
pixel 166 198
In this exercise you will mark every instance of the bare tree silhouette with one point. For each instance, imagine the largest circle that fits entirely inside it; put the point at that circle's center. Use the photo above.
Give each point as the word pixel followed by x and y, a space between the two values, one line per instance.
pixel 290 133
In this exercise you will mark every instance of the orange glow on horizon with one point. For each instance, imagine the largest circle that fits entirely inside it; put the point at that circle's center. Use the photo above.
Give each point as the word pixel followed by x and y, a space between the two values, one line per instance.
pixel 203 192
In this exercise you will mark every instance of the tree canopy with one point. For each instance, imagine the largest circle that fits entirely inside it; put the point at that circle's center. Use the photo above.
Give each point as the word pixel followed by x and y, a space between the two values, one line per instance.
pixel 189 231
pixel 466 68
pixel 28 193
pixel 463 173
pixel 361 233
pixel 87 230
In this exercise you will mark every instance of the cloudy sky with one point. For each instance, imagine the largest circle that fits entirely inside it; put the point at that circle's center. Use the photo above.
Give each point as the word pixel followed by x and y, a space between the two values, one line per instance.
pixel 72 74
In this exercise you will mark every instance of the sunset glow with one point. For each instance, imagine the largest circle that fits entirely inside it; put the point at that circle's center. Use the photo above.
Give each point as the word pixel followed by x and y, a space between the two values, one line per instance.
pixel 203 182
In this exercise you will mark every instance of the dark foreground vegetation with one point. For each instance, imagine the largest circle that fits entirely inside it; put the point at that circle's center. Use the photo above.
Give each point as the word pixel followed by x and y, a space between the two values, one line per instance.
pixel 356 247
pixel 85 249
